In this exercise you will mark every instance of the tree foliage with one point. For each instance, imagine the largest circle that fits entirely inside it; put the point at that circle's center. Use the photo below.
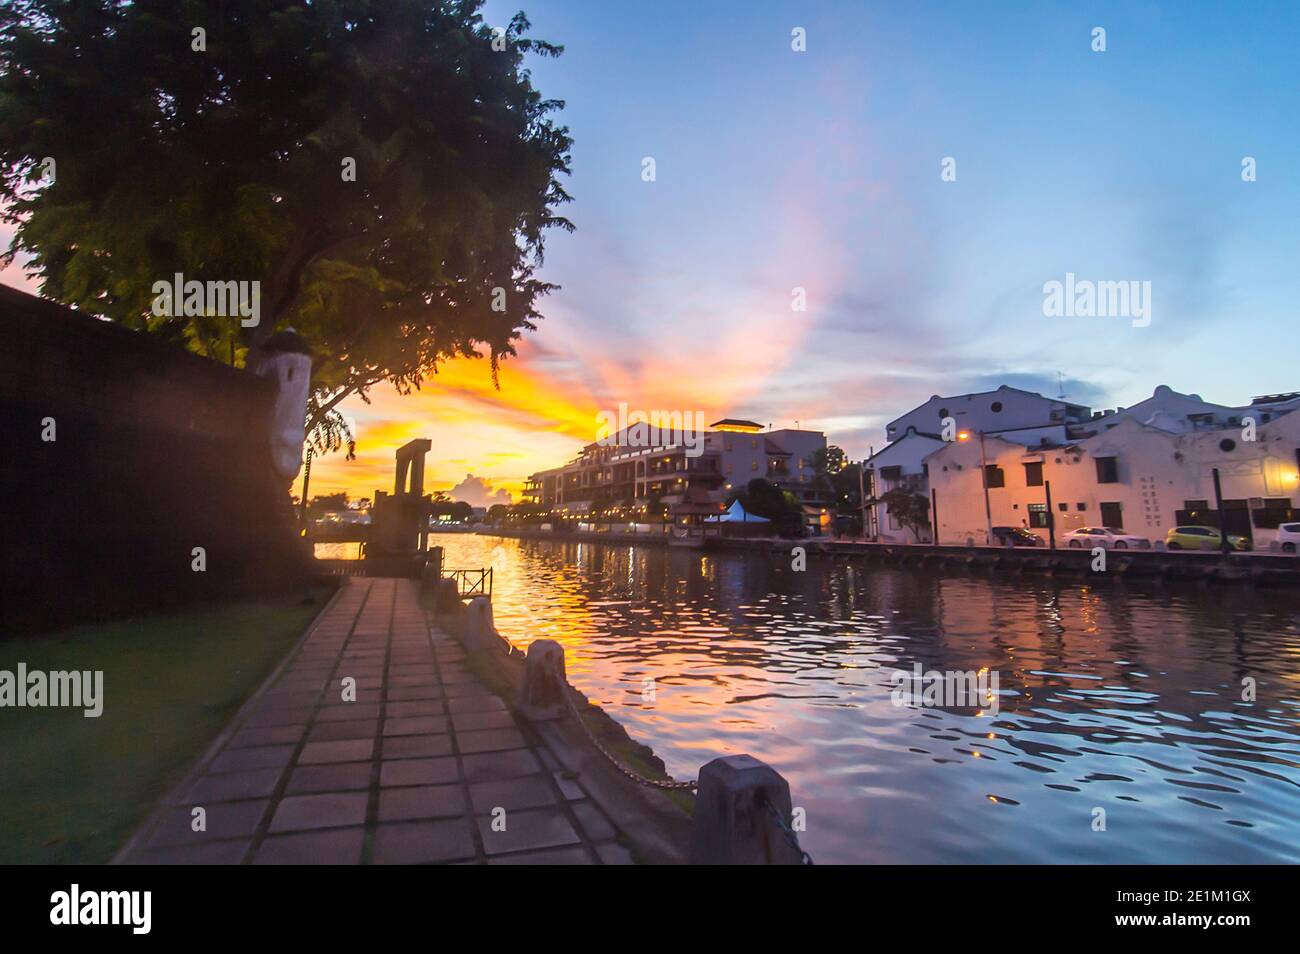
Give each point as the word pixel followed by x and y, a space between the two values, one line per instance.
pixel 910 509
pixel 229 163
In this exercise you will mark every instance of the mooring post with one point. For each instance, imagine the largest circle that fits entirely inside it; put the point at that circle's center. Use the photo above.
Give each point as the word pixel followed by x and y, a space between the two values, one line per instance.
pixel 477 629
pixel 734 819
pixel 446 595
pixel 545 682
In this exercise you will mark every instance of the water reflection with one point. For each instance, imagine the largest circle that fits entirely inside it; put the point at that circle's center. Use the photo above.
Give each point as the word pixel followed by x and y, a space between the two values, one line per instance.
pixel 1123 699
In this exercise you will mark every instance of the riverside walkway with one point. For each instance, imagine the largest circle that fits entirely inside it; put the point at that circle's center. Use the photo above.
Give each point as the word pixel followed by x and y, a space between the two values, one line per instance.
pixel 424 765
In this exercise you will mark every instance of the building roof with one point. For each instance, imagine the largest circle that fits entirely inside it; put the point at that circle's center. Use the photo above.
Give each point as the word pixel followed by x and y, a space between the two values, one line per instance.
pixel 736 424
pixel 696 501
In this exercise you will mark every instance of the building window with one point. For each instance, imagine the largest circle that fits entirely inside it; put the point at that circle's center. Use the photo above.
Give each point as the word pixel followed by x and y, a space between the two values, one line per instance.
pixel 996 407
pixel 1275 512
pixel 1112 515
pixel 993 476
pixel 943 412
pixel 1227 445
pixel 1063 507
pixel 1034 474
pixel 1107 470
pixel 1081 507
pixel 1038 516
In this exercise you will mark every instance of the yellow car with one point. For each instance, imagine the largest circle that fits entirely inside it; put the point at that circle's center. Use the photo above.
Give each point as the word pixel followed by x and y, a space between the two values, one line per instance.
pixel 1202 538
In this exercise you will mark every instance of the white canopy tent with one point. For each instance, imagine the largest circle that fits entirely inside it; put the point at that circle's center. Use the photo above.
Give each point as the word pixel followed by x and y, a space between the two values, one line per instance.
pixel 737 514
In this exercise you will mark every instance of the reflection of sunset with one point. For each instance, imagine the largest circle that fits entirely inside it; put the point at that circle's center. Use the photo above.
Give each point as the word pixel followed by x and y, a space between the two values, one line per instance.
pixel 1128 696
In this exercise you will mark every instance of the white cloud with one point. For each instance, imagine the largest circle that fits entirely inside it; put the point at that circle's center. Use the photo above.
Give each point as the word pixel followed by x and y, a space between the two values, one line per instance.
pixel 479 492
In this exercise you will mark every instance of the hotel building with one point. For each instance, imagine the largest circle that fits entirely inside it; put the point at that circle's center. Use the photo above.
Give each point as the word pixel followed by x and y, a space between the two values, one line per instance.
pixel 727 457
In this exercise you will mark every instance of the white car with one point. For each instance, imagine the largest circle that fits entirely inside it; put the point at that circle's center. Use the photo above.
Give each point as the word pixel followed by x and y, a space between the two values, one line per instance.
pixel 1288 537
pixel 1108 538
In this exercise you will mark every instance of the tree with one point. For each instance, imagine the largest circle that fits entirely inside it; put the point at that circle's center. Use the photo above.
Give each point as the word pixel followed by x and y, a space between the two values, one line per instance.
pixel 325 503
pixel 384 168
pixel 910 509
pixel 764 499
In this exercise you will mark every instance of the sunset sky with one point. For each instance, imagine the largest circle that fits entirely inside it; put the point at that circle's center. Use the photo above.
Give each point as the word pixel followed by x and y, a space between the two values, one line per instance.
pixel 821 170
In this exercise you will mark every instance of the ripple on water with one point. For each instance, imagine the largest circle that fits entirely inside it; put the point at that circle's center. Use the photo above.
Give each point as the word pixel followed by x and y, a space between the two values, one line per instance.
pixel 1122 698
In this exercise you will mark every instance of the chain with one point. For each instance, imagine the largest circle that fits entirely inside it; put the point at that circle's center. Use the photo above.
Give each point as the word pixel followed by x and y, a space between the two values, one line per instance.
pixel 785 830
pixel 630 773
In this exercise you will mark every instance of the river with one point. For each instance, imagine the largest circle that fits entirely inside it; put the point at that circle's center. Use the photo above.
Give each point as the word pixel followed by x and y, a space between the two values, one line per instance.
pixel 1120 733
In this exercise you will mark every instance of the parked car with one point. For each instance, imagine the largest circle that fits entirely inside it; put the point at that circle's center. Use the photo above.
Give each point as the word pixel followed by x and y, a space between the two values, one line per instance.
pixel 1107 538
pixel 1288 537
pixel 1202 538
pixel 1015 537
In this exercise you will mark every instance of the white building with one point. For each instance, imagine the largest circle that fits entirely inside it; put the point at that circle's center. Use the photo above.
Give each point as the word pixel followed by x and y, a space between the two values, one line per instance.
pixel 1135 476
pixel 730 454
pixel 1017 415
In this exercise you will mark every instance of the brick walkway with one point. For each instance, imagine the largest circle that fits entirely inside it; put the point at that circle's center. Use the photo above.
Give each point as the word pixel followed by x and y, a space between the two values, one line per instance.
pixel 412 771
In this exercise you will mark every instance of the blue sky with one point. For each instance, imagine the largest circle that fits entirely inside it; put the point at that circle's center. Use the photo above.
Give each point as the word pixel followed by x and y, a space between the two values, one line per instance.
pixel 821 169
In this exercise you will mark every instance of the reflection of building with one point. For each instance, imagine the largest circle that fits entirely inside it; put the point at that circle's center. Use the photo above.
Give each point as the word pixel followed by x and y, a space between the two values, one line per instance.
pixel 1140 477
pixel 727 456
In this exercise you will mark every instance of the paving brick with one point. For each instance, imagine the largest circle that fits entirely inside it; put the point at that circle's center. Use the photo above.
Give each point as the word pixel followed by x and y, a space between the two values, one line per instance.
pixel 612 853
pixel 422 725
pixel 320 811
pixel 336 847
pixel 593 824
pixel 340 750
pixel 489 740
pixel 472 721
pixel 223 821
pixel 330 731
pixel 408 710
pixel 418 772
pixel 421 842
pixel 412 693
pixel 211 853
pixel 492 766
pixel 422 801
pixel 576 855
pixel 416 746
pixel 532 791
pixel 350 711
pixel 341 777
pixel 258 783
pixel 527 830
pixel 476 704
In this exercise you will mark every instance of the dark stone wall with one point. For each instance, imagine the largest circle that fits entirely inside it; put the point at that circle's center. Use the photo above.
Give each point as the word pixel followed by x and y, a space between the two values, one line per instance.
pixel 158 451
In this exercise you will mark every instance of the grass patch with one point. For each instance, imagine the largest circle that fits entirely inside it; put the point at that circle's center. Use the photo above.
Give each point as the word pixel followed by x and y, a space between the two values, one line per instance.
pixel 73 789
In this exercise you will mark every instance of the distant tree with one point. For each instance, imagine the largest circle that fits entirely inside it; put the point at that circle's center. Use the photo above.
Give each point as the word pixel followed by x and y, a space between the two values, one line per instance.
pixel 497 513
pixel 910 509
pixel 326 503
pixel 828 460
pixel 386 170
pixel 764 499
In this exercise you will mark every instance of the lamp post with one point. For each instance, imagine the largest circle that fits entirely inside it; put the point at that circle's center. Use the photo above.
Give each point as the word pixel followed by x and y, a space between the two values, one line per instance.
pixel 988 511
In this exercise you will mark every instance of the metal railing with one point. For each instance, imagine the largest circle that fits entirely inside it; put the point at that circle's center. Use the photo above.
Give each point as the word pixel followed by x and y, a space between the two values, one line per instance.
pixel 471 582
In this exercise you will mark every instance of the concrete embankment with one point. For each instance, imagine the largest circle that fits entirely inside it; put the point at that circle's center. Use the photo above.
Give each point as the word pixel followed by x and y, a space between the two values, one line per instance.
pixel 1267 569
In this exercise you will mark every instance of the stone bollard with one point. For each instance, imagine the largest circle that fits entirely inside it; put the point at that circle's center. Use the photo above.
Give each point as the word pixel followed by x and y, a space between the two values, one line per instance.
pixel 477 630
pixel 446 595
pixel 733 824
pixel 545 682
